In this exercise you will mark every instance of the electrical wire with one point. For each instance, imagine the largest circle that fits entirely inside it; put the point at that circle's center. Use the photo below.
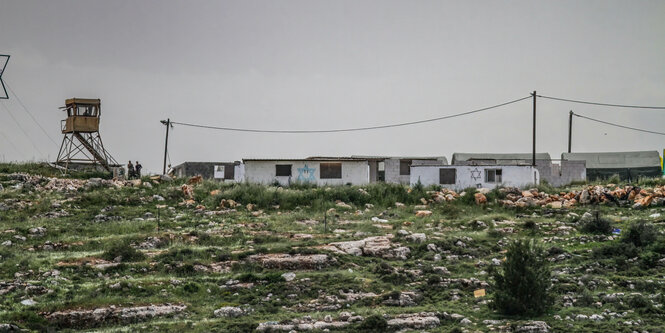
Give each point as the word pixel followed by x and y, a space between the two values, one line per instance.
pixel 30 113
pixel 350 129
pixel 618 125
pixel 12 144
pixel 604 104
pixel 22 130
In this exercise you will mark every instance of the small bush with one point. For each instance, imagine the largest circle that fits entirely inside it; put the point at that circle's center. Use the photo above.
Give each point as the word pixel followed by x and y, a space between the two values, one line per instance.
pixel 614 179
pixel 640 234
pixel 615 249
pixel 191 287
pixel 585 299
pixel 530 225
pixel 649 259
pixel 469 196
pixel 124 251
pixel 523 282
pixel 638 302
pixel 597 225
pixel 373 323
pixel 545 187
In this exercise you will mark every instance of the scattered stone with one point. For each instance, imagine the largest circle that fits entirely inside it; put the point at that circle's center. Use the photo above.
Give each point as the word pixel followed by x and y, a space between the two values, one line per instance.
pixel 288 261
pixel 342 204
pixel 290 276
pixel 421 320
pixel 9 327
pixel 28 302
pixel 480 198
pixel 405 298
pixel 416 238
pixel 533 327
pixel 230 311
pixel 99 316
pixel 38 231
pixel 379 246
pixel 423 213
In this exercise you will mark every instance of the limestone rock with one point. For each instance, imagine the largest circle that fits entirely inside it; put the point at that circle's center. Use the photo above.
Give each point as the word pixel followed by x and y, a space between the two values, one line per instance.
pixel 230 311
pixel 533 327
pixel 288 261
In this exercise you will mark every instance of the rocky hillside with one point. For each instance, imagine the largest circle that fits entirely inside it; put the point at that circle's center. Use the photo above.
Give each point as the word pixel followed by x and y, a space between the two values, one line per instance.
pixel 188 255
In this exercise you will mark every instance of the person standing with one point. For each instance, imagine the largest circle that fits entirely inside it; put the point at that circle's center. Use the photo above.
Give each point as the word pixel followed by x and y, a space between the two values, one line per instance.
pixel 138 169
pixel 130 170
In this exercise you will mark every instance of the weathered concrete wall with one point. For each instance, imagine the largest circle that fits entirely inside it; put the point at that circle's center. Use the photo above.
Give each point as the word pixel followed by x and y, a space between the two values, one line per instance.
pixel 564 174
pixel 263 172
pixel 392 172
pixel 474 176
pixel 207 170
pixel 393 169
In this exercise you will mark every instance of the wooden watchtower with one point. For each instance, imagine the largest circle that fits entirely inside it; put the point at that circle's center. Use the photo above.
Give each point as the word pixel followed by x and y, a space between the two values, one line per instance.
pixel 82 145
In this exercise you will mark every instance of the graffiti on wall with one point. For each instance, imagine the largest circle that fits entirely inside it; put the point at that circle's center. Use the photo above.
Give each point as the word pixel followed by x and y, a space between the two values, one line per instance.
pixel 475 174
pixel 306 174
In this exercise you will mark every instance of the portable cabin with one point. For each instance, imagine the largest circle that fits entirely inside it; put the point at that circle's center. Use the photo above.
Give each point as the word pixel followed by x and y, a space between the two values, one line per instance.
pixel 629 165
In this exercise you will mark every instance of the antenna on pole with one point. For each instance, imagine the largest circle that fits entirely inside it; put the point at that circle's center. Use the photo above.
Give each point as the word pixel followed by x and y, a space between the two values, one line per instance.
pixel 4 59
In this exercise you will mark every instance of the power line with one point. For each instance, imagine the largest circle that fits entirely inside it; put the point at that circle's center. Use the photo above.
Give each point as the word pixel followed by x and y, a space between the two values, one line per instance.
pixel 22 130
pixel 350 129
pixel 12 144
pixel 604 104
pixel 30 114
pixel 617 125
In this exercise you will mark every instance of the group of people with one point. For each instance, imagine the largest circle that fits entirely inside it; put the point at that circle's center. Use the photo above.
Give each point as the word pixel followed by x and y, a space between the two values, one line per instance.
pixel 134 172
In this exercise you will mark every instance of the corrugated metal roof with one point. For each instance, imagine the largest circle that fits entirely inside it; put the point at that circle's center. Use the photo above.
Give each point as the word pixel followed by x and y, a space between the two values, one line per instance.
pixel 379 157
pixel 457 157
pixel 313 158
pixel 612 160
pixel 200 163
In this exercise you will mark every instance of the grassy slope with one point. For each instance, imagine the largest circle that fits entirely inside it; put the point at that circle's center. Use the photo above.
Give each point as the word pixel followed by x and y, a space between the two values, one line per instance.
pixel 191 238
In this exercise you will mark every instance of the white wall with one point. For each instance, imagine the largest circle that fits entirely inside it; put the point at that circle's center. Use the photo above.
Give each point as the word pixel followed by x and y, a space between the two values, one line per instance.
pixel 512 175
pixel 239 173
pixel 263 172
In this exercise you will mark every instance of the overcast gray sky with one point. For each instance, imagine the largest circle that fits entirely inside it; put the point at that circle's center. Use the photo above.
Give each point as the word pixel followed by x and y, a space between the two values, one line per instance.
pixel 332 64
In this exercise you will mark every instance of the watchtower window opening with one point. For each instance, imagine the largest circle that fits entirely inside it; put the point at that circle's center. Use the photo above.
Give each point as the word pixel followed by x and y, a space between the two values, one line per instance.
pixel 83 111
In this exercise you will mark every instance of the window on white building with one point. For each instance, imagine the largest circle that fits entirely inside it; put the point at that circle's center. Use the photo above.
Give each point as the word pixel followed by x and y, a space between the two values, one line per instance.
pixel 493 175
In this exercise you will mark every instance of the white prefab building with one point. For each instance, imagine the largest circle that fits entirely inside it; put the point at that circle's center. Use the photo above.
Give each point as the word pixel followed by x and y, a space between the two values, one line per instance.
pixel 397 169
pixel 314 170
pixel 459 177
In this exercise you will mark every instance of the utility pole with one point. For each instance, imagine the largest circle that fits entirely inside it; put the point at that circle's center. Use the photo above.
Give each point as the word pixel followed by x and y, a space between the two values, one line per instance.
pixel 534 129
pixel 570 130
pixel 166 122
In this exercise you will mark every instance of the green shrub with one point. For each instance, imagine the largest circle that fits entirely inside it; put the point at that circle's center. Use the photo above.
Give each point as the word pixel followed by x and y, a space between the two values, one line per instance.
pixel 191 287
pixel 585 299
pixel 649 259
pixel 614 179
pixel 640 234
pixel 530 225
pixel 522 285
pixel 639 302
pixel 469 196
pixel 124 251
pixel 597 225
pixel 545 187
pixel 616 250
pixel 495 194
pixel 373 323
